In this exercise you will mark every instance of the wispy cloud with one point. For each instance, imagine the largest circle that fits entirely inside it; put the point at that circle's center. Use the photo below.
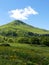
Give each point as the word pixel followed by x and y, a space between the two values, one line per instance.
pixel 22 14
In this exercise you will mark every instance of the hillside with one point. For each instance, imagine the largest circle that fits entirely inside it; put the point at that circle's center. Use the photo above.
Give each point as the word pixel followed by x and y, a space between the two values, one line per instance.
pixel 19 28
pixel 18 48
pixel 24 54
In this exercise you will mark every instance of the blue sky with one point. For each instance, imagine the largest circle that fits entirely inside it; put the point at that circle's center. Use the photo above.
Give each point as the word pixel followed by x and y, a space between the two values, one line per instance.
pixel 39 19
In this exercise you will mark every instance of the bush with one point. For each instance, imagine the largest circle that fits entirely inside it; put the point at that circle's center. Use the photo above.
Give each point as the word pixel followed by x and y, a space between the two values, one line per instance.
pixel 34 40
pixel 23 40
pixel 10 40
pixel 4 44
pixel 1 39
pixel 44 40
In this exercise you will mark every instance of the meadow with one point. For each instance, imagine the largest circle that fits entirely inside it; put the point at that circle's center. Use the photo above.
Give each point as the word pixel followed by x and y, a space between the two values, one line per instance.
pixel 24 54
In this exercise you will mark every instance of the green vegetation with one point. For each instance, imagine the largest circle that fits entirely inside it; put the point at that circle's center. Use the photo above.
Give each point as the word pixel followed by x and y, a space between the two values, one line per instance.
pixel 24 54
pixel 18 28
pixel 22 44
pixel 19 32
pixel 39 40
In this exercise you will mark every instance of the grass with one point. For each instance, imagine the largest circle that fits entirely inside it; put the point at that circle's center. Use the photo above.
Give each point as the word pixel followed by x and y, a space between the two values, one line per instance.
pixel 22 27
pixel 24 54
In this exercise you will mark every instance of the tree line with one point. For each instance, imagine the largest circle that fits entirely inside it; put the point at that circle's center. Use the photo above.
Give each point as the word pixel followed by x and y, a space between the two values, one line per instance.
pixel 39 40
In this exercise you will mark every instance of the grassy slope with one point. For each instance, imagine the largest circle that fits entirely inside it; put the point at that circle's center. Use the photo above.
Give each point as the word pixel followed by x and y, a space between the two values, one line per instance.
pixel 18 25
pixel 24 54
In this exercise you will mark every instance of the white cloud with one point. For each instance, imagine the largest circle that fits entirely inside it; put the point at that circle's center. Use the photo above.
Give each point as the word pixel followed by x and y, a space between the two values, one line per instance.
pixel 22 14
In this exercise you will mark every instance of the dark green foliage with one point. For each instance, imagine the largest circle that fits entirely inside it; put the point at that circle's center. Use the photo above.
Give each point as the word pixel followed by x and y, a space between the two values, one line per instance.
pixel 4 44
pixel 1 39
pixel 10 40
pixel 30 34
pixel 23 40
pixel 44 40
pixel 9 33
pixel 34 40
pixel 40 40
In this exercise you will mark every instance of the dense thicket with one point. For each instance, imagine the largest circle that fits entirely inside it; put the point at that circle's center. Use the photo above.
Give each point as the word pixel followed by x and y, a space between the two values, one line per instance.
pixel 40 40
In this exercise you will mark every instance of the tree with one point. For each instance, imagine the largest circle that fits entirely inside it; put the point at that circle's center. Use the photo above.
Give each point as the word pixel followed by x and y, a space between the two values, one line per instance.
pixel 10 40
pixel 23 40
pixel 34 40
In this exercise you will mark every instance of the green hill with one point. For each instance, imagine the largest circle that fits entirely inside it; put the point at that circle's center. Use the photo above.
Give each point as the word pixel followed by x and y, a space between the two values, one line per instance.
pixel 20 53
pixel 19 28
pixel 18 31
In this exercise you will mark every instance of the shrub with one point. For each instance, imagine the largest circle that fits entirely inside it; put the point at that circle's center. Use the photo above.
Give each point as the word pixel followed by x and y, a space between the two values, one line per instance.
pixel 1 39
pixel 45 40
pixel 10 40
pixel 23 40
pixel 34 40
pixel 4 44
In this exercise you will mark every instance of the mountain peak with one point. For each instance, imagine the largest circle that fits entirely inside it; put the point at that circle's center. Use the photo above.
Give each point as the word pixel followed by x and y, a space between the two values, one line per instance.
pixel 17 22
pixel 21 27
